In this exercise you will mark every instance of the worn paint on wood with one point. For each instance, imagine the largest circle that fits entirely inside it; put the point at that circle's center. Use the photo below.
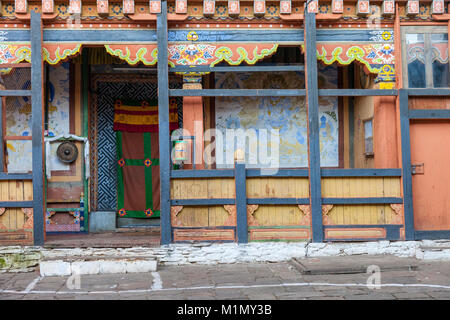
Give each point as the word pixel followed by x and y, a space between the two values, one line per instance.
pixel 279 234
pixel 202 216
pixel 279 215
pixel 431 195
pixel 15 190
pixel 202 189
pixel 203 235
pixel 355 233
pixel 361 187
pixel 277 188
pixel 360 214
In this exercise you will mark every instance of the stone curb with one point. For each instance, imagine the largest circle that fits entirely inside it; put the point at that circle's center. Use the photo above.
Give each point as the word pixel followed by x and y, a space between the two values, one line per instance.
pixel 215 253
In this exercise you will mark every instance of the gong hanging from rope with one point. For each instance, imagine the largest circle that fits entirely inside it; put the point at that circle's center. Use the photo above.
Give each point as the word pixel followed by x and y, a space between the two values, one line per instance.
pixel 67 152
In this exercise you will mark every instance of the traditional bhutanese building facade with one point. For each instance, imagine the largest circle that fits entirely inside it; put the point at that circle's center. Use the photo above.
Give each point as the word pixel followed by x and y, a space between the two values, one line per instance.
pixel 225 121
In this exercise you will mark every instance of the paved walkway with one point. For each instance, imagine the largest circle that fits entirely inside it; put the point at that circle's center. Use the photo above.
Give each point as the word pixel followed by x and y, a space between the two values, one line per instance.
pixel 263 281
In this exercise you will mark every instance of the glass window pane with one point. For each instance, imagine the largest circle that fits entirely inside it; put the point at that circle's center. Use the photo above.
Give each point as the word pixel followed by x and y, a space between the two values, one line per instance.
pixel 415 56
pixel 439 45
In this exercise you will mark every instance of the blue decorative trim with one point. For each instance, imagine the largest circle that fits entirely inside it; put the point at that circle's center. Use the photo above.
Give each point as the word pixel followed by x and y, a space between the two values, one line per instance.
pixel 429 114
pixel 278 201
pixel 432 235
pixel 220 173
pixel 241 202
pixel 380 200
pixel 361 172
pixel 201 202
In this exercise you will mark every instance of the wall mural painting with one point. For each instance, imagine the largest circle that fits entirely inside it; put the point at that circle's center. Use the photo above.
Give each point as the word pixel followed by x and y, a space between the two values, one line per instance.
pixel 286 114
pixel 18 114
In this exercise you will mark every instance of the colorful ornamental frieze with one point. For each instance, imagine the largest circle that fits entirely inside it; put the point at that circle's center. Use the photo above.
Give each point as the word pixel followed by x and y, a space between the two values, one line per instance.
pixel 208 9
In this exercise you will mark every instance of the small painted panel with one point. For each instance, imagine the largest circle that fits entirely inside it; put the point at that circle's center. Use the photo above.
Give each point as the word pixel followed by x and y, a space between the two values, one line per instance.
pixel 75 6
pixel 363 7
pixel 21 6
pixel 437 7
pixel 285 6
pixel 388 7
pixel 102 7
pixel 412 7
pixel 203 234
pixel 181 6
pixel 337 6
pixel 271 234
pixel 48 6
pixel 209 7
pixel 234 7
pixel 259 7
pixel 313 6
pixel 355 233
pixel 128 7
pixel 155 6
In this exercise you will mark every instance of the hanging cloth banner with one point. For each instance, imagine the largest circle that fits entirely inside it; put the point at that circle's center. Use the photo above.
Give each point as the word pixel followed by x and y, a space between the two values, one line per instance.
pixel 137 138
pixel 129 117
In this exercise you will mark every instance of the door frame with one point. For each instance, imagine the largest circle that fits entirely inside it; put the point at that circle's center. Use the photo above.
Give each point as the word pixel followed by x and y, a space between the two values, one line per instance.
pixel 406 115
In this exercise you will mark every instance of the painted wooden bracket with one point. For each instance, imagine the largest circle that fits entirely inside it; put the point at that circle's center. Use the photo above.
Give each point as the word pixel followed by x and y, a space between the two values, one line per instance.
pixel 412 7
pixel 337 6
pixel 209 7
pixel 232 215
pixel 363 7
pixel 102 8
pixel 251 220
pixel 285 6
pixel 155 6
pixel 128 7
pixel 306 210
pixel 399 213
pixel 388 8
pixel 29 223
pixel 234 8
pixel 259 7
pixel 174 211
pixel 325 217
pixel 181 6
pixel 2 226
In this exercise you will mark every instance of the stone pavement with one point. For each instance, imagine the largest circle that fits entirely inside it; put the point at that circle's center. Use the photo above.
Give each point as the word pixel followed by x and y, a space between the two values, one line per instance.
pixel 240 281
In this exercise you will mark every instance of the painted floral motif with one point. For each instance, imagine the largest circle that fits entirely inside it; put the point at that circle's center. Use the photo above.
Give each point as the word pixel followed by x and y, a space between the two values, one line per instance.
pixel 147 162
pixel 121 162
pixel 191 54
pixel 122 212
pixel 149 212
pixel 382 35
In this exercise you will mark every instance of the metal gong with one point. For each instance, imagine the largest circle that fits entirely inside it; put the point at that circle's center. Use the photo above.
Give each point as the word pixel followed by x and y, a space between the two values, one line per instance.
pixel 67 152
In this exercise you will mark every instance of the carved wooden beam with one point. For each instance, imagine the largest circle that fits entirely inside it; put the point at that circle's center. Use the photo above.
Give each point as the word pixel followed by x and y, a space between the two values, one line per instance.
pixel 437 7
pixel 313 6
pixel 152 17
pixel 285 6
pixel 181 6
pixel 2 226
pixel 251 220
pixel 363 8
pixel 259 7
pixel 388 8
pixel 412 7
pixel 232 215
pixel 337 6
pixel 398 211
pixel 319 16
pixel 21 6
pixel 102 8
pixel 128 7
pixel 75 6
pixel 234 8
pixel 48 6
pixel 174 211
pixel 155 6
pixel 29 213
pixel 325 217
pixel 209 7
pixel 306 210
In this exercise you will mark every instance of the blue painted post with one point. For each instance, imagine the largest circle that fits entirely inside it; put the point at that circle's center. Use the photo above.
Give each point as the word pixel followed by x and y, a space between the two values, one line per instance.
pixel 241 202
pixel 163 113
pixel 406 164
pixel 37 112
pixel 313 127
pixel 1 136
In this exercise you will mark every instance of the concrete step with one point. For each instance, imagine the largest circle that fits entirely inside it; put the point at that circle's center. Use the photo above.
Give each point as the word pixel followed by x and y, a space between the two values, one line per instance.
pixel 66 266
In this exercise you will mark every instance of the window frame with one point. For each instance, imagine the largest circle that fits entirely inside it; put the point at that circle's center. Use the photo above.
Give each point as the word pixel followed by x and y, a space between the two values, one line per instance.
pixel 426 31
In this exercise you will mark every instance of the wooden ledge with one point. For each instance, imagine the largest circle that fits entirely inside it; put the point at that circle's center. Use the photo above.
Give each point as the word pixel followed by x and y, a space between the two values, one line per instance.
pixel 319 16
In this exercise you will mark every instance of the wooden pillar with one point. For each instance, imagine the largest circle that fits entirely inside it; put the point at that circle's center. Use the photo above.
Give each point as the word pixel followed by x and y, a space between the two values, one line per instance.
pixel 193 119
pixel 37 111
pixel 312 100
pixel 163 114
